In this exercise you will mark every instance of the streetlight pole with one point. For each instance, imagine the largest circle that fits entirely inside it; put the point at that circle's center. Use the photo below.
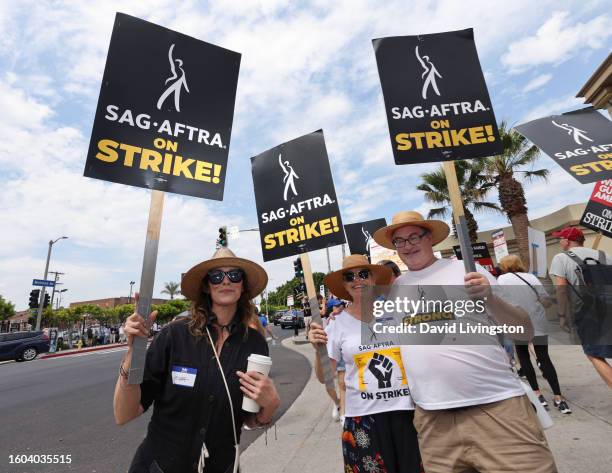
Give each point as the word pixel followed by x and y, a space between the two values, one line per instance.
pixel 131 286
pixel 42 291
pixel 59 299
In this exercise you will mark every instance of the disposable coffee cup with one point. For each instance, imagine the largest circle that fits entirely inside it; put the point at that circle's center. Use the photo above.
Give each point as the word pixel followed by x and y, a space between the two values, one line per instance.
pixel 261 364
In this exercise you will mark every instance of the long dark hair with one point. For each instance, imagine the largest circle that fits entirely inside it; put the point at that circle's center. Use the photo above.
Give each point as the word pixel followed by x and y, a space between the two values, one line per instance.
pixel 201 309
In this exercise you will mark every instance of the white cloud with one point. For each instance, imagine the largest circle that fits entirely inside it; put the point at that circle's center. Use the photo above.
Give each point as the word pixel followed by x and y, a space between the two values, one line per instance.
pixel 551 107
pixel 556 41
pixel 537 82
pixel 305 66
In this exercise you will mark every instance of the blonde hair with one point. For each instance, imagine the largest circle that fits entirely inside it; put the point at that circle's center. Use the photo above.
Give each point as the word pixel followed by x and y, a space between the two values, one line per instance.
pixel 512 264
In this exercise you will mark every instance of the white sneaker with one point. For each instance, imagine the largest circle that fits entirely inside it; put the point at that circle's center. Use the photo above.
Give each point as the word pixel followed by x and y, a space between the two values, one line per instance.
pixel 336 413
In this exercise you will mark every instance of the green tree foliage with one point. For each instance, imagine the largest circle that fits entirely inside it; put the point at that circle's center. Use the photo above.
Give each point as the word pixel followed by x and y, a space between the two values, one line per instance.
pixel 170 309
pixel 505 170
pixel 278 297
pixel 171 288
pixel 473 186
pixel 7 309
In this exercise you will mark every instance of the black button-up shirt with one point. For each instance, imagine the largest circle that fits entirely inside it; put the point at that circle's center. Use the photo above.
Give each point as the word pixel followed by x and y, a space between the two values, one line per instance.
pixel 184 417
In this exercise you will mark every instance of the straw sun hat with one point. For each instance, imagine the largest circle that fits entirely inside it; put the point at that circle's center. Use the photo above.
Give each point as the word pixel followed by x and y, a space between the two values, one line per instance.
pixel 335 283
pixel 439 230
pixel 257 278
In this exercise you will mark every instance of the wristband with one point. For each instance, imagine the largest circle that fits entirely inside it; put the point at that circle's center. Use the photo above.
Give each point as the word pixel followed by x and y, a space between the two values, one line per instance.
pixel 561 316
pixel 122 372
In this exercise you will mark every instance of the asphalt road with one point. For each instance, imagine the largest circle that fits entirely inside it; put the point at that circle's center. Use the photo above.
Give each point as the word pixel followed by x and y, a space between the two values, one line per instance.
pixel 63 406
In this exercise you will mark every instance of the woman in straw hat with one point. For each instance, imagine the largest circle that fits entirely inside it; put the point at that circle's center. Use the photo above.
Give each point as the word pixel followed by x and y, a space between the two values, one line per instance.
pixel 378 432
pixel 191 429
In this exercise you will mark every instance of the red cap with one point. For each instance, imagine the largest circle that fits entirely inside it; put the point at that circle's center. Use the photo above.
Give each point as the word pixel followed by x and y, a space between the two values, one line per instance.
pixel 570 233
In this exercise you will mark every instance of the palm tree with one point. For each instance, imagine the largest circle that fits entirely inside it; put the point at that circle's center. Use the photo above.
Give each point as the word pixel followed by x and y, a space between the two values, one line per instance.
pixel 171 288
pixel 503 169
pixel 473 186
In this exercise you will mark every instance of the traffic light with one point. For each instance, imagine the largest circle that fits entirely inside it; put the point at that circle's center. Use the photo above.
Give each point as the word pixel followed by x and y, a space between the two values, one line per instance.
pixel 47 301
pixel 34 296
pixel 222 240
pixel 297 269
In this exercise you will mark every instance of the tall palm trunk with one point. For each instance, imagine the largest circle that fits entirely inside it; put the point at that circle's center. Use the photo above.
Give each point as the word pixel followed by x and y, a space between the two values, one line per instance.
pixel 512 200
pixel 472 225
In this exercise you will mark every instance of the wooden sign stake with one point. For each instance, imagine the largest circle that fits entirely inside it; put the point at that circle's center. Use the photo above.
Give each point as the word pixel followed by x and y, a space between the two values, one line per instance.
pixel 328 376
pixel 147 280
pixel 596 241
pixel 459 216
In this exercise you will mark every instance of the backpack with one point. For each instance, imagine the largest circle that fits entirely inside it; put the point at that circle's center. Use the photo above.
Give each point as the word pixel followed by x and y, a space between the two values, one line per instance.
pixel 593 314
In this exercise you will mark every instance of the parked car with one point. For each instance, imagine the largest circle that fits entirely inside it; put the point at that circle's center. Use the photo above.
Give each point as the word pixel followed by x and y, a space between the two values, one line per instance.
pixel 23 346
pixel 287 320
pixel 276 316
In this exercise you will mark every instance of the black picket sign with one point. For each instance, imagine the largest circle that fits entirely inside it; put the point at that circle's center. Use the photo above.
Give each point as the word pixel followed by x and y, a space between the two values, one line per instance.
pixel 359 235
pixel 165 111
pixel 436 99
pixel 296 200
pixel 579 141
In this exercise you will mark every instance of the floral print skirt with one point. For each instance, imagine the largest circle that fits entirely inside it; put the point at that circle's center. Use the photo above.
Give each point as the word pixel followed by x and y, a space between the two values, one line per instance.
pixel 381 443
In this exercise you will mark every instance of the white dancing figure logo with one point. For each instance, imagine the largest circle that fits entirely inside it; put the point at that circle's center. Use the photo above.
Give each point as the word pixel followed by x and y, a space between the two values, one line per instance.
pixel 576 133
pixel 429 74
pixel 176 82
pixel 289 177
pixel 368 238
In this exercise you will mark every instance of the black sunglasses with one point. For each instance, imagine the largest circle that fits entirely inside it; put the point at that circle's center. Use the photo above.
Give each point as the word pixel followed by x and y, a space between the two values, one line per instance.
pixel 216 276
pixel 350 276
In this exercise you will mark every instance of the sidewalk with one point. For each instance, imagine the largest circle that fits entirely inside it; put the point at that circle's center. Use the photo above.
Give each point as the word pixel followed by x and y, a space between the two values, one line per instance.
pixel 309 441
pixel 82 350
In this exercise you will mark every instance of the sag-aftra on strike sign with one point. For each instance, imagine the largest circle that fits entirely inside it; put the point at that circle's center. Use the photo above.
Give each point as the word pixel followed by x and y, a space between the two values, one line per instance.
pixel 165 112
pixel 437 103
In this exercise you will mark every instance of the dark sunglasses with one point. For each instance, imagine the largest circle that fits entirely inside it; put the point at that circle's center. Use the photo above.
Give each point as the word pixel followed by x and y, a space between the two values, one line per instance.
pixel 350 276
pixel 216 276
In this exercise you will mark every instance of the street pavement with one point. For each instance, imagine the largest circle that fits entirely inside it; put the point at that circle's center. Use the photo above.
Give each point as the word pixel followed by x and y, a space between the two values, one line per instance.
pixel 63 405
pixel 310 441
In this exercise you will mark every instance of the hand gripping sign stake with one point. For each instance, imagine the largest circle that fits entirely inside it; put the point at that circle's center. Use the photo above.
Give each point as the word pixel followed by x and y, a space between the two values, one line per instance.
pixel 459 216
pixel 328 376
pixel 147 279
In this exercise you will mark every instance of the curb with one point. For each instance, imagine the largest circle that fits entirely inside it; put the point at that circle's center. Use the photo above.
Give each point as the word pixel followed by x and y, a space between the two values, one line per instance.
pixel 82 350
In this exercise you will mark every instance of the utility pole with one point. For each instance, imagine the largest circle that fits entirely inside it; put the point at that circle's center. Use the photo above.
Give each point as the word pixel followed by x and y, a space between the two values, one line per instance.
pixel 328 263
pixel 42 291
pixel 57 275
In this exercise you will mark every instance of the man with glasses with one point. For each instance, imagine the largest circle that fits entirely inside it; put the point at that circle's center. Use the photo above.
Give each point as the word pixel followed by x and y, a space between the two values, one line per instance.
pixel 472 413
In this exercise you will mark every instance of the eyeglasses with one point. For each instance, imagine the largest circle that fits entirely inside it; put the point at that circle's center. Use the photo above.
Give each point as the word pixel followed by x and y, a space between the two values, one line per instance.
pixel 412 239
pixel 216 276
pixel 350 276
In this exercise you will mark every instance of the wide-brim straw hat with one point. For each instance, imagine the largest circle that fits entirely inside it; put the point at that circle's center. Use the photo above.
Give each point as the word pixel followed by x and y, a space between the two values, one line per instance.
pixel 439 230
pixel 257 278
pixel 335 282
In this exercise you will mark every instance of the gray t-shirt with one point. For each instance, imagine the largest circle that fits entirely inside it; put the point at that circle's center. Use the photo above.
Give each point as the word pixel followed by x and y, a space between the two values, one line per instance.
pixel 565 267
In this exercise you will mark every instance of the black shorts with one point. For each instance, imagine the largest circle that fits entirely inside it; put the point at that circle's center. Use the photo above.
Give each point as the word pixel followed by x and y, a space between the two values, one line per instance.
pixel 381 443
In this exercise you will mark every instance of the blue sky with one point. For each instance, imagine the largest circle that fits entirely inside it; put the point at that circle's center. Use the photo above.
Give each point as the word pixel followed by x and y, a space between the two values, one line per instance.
pixel 305 66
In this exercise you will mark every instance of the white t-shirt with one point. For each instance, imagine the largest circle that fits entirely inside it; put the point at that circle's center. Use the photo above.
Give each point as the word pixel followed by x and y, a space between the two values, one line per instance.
pixel 524 297
pixel 375 376
pixel 446 376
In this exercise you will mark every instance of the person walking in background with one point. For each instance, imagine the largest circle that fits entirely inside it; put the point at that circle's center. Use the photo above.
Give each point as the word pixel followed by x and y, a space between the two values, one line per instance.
pixel 393 267
pixel 576 312
pixel 122 333
pixel 528 292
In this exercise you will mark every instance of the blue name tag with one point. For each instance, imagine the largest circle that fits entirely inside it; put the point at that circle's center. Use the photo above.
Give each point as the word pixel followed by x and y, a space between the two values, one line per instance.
pixel 183 376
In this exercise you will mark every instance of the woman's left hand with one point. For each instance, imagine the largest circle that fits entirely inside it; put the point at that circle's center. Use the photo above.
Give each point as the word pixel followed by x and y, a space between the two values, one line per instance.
pixel 260 388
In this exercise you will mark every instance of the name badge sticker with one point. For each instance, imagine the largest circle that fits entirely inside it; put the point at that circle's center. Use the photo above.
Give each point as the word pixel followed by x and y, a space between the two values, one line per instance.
pixel 183 376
